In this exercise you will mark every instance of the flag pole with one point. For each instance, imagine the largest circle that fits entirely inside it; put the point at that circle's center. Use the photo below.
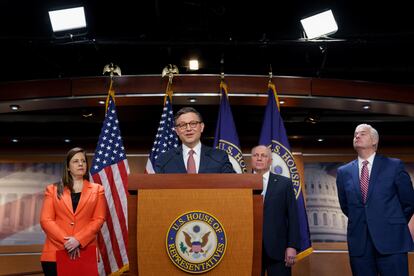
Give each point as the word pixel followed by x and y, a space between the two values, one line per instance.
pixel 166 138
pixel 112 173
pixel 111 70
pixel 272 86
pixel 170 70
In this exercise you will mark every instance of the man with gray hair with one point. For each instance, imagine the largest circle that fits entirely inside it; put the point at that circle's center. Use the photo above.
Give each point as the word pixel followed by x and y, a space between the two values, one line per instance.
pixel 376 194
pixel 281 236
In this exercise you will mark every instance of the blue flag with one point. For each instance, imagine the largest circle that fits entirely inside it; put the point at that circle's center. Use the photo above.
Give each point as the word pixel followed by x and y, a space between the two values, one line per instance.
pixel 274 135
pixel 226 135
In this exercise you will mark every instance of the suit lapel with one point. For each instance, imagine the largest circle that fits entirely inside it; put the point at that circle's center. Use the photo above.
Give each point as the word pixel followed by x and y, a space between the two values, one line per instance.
pixel 355 178
pixel 86 193
pixel 271 184
pixel 67 199
pixel 375 171
pixel 203 159
pixel 179 160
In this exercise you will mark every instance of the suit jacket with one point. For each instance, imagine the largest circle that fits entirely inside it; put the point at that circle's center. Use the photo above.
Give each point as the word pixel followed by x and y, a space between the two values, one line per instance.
pixel 280 217
pixel 388 208
pixel 58 220
pixel 211 161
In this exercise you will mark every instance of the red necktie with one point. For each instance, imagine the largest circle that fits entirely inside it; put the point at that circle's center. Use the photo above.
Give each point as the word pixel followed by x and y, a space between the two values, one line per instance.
pixel 191 167
pixel 364 180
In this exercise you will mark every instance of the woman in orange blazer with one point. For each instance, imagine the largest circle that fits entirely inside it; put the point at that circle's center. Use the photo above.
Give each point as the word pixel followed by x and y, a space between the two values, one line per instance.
pixel 73 211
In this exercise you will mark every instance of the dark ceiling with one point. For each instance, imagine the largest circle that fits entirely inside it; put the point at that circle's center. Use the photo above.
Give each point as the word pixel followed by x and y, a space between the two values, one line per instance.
pixel 375 42
pixel 376 39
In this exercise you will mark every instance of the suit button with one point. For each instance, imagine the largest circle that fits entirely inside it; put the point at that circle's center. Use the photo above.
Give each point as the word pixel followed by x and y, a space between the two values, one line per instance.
pixel 72 223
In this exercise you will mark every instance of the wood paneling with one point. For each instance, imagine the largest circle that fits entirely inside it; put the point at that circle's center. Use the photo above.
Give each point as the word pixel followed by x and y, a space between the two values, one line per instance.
pixel 362 90
pixel 206 84
pixel 35 89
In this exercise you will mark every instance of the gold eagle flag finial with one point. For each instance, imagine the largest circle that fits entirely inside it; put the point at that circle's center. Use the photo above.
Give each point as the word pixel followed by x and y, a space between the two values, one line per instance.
pixel 112 70
pixel 170 70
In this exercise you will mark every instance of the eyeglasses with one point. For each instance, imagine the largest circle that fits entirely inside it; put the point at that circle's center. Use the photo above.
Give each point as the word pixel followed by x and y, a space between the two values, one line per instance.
pixel 183 126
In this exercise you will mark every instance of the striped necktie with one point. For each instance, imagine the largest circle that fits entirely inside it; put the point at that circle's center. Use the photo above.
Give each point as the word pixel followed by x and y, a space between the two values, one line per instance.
pixel 364 180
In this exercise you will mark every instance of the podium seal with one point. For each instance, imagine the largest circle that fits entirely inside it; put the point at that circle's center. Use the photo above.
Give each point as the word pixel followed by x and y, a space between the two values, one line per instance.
pixel 196 242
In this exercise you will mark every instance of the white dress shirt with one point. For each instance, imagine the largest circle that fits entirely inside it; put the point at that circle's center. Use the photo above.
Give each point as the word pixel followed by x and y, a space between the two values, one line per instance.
pixel 369 165
pixel 265 182
pixel 196 155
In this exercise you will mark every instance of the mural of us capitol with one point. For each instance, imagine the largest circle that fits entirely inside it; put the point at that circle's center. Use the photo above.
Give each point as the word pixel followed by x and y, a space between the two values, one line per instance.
pixel 196 242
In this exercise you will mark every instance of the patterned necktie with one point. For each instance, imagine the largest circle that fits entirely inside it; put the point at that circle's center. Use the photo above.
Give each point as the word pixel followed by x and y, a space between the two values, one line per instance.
pixel 364 180
pixel 191 167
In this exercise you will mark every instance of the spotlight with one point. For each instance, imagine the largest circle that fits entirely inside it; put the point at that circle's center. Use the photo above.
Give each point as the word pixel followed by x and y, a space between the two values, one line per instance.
pixel 101 102
pixel 67 140
pixel 318 25
pixel 67 19
pixel 192 100
pixel 366 107
pixel 320 140
pixel 281 102
pixel 15 140
pixel 193 64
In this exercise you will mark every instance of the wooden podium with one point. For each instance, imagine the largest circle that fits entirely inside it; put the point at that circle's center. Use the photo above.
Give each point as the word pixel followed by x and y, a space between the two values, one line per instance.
pixel 157 201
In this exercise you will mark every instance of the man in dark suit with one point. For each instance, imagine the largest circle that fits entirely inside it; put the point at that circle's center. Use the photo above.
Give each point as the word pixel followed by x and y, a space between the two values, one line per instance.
pixel 281 236
pixel 192 156
pixel 377 196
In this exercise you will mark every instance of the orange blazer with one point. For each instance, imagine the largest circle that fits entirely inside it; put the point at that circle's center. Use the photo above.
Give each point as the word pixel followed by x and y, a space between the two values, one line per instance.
pixel 58 219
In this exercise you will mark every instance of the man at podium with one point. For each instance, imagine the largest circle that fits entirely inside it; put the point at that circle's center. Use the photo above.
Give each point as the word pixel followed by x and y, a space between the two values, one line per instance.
pixel 281 236
pixel 192 156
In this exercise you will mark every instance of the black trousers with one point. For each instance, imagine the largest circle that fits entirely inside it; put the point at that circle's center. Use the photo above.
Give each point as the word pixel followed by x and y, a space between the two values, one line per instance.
pixel 274 267
pixel 49 268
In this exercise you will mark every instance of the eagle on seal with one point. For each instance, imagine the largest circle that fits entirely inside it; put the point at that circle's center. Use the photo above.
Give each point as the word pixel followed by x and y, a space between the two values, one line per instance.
pixel 196 246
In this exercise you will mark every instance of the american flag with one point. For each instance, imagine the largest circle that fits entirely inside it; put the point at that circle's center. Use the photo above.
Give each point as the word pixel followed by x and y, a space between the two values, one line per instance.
pixel 110 168
pixel 166 138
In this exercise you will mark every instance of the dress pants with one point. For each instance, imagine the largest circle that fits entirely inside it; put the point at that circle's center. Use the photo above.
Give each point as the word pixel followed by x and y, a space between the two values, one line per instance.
pixel 274 267
pixel 49 268
pixel 373 263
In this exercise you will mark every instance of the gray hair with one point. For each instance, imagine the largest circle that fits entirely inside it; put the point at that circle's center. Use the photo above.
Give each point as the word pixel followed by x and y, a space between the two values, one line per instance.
pixel 269 150
pixel 372 131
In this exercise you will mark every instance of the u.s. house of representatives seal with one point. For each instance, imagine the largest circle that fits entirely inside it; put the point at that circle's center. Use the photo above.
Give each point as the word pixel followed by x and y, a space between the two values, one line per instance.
pixel 196 242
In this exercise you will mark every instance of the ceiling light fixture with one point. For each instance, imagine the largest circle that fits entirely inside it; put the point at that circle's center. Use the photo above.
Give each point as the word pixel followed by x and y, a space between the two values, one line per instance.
pixel 312 118
pixel 366 107
pixel 193 64
pixel 67 140
pixel 67 19
pixel 192 100
pixel 101 102
pixel 14 107
pixel 281 102
pixel 320 140
pixel 319 25
pixel 87 115
pixel 15 140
